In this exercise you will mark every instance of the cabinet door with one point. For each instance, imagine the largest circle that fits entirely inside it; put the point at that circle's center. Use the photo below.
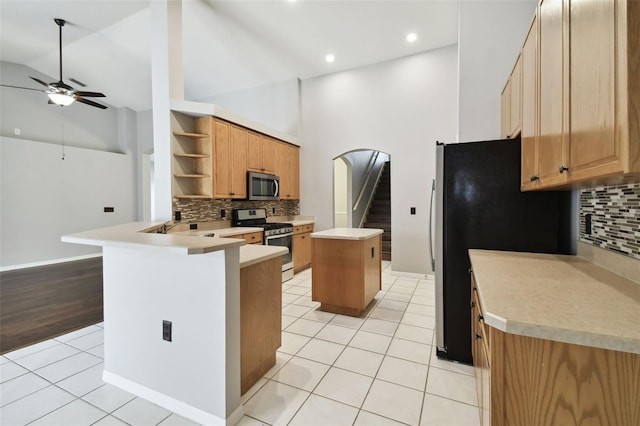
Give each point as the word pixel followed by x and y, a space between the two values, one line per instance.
pixel 288 169
pixel 254 152
pixel 221 159
pixel 269 154
pixel 294 172
pixel 504 112
pixel 298 255
pixel 238 169
pixel 529 134
pixel 552 142
pixel 515 89
pixel 592 95
pixel 306 249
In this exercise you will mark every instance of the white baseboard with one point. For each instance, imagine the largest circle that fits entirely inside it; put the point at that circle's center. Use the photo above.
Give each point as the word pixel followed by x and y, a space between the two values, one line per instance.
pixel 410 274
pixel 48 262
pixel 172 404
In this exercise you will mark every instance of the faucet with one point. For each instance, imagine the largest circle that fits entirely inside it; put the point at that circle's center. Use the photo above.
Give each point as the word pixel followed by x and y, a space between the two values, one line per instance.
pixel 167 226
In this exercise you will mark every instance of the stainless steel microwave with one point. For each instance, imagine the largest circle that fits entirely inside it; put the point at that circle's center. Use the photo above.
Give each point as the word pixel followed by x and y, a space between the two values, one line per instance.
pixel 261 186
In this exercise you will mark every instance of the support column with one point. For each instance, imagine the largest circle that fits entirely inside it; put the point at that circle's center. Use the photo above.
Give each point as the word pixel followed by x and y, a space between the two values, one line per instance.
pixel 167 83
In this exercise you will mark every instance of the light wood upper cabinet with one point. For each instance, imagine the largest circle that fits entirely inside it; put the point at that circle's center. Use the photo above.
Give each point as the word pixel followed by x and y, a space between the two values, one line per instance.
pixel 505 111
pixel 589 94
pixel 191 164
pixel 261 152
pixel 529 135
pixel 515 106
pixel 553 138
pixel 288 168
pixel 229 159
pixel 596 146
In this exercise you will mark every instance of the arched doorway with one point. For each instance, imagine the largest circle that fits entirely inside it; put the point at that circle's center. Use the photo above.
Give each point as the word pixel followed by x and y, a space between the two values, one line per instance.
pixel 362 192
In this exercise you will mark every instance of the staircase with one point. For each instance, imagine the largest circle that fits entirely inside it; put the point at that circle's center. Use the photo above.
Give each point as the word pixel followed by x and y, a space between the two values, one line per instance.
pixel 379 213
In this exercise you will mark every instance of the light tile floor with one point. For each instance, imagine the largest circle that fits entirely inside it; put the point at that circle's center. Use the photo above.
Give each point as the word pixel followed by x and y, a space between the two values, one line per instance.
pixel 380 369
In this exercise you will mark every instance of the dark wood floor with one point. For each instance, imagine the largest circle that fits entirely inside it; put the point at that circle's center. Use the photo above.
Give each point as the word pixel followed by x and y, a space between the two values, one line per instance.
pixel 37 304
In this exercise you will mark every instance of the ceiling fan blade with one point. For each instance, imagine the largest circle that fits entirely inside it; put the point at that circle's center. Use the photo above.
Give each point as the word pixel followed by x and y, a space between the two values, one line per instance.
pixel 20 87
pixel 88 102
pixel 90 94
pixel 39 81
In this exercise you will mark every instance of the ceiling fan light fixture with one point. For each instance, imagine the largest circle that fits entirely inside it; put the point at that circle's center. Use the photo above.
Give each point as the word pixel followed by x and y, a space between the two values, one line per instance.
pixel 61 99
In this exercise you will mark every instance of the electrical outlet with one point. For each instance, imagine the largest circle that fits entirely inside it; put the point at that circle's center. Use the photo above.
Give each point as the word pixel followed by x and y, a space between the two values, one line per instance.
pixel 193 226
pixel 413 210
pixel 16 131
pixel 166 330
pixel 177 216
pixel 108 209
pixel 223 213
pixel 587 224
pixel 273 210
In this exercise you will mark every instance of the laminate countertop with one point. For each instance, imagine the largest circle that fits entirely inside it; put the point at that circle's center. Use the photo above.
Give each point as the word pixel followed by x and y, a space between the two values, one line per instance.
pixel 560 298
pixel 138 235
pixel 347 233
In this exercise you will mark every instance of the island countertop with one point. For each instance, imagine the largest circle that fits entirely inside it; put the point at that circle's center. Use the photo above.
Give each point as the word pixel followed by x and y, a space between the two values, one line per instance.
pixel 348 233
pixel 137 235
pixel 251 254
pixel 557 297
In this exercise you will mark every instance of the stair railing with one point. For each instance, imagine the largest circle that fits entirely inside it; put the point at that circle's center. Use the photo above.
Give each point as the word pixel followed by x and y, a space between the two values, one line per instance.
pixel 372 192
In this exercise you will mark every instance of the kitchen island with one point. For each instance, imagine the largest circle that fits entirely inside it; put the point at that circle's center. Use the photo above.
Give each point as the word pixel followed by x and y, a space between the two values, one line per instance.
pixel 346 269
pixel 556 340
pixel 172 316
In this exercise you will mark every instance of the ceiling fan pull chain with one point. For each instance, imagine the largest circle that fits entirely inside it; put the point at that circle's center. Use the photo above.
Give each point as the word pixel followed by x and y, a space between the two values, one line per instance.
pixel 62 120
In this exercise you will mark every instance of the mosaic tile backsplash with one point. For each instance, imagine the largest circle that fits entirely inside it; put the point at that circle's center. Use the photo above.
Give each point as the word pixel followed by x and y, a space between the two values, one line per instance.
pixel 210 210
pixel 615 218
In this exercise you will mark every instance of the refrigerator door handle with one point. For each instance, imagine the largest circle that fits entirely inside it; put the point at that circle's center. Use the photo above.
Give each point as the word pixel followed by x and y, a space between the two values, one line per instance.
pixel 431 243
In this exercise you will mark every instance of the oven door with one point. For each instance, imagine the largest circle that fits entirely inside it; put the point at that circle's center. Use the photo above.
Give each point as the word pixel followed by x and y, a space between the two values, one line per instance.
pixel 283 240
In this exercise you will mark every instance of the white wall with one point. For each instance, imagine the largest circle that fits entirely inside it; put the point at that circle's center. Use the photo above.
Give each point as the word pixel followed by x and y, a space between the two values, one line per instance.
pixel 44 197
pixel 399 107
pixel 340 193
pixel 491 34
pixel 27 110
pixel 275 105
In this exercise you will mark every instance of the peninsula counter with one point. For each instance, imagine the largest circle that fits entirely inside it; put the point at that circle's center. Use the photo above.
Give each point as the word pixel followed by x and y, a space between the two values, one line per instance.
pixel 194 283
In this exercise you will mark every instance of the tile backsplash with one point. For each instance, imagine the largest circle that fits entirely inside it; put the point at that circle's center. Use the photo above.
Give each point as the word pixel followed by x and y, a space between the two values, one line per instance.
pixel 615 218
pixel 210 210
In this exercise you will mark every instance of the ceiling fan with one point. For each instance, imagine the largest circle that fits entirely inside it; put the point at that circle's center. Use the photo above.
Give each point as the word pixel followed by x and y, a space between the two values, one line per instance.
pixel 59 92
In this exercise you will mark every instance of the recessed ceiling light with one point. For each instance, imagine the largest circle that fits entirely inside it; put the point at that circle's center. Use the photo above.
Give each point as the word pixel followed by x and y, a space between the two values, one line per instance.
pixel 411 37
pixel 329 58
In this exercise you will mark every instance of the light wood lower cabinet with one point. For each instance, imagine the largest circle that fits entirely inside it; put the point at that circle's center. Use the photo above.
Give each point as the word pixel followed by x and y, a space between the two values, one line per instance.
pixel 524 380
pixel 302 247
pixel 346 274
pixel 253 237
pixel 260 319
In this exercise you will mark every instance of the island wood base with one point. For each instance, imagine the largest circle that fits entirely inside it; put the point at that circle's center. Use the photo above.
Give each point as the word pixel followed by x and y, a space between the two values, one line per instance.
pixel 260 319
pixel 346 273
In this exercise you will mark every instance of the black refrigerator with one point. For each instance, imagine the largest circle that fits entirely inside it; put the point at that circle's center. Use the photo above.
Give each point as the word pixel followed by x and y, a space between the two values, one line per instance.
pixel 478 204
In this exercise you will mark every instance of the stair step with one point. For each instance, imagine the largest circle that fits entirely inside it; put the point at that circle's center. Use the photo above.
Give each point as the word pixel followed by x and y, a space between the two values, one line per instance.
pixel 382 218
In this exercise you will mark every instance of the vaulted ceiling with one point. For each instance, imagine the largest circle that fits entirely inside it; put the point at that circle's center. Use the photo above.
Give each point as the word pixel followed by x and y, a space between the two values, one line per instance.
pixel 228 45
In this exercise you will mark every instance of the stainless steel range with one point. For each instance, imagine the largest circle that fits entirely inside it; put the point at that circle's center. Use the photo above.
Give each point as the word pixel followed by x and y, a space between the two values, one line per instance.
pixel 275 234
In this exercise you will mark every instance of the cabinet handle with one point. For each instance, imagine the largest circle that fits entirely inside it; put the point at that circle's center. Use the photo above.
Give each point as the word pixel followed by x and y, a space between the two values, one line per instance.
pixel 535 178
pixel 232 193
pixel 480 318
pixel 373 249
pixel 478 336
pixel 472 304
pixel 563 169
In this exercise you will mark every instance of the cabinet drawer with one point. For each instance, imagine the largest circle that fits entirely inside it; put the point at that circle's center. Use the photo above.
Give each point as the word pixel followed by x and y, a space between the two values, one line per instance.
pixel 253 237
pixel 301 229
